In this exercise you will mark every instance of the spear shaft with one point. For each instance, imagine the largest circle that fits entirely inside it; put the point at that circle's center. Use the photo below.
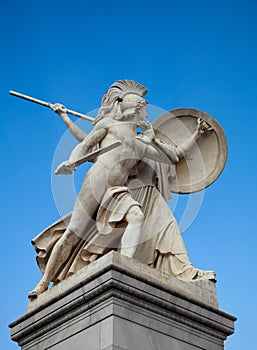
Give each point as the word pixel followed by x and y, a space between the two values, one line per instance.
pixel 48 104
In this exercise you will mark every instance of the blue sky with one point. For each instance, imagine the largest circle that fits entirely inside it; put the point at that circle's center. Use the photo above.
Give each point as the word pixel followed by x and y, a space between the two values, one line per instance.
pixel 199 54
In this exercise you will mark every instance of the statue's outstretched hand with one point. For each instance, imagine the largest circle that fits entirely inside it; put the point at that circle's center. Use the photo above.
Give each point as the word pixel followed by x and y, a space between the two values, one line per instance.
pixel 147 127
pixel 58 108
pixel 65 168
pixel 203 126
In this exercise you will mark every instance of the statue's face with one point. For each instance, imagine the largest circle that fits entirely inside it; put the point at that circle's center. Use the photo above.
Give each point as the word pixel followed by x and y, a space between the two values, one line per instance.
pixel 135 106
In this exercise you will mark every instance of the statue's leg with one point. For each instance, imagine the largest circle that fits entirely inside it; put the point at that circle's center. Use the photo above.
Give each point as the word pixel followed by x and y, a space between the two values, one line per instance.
pixel 81 219
pixel 58 257
pixel 132 234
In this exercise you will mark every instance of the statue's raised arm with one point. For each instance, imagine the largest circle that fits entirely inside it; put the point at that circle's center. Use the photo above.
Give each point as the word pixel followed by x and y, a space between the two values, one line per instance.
pixel 61 110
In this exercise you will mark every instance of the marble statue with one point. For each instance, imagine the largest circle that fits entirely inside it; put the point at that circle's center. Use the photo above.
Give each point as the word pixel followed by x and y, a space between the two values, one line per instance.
pixel 123 200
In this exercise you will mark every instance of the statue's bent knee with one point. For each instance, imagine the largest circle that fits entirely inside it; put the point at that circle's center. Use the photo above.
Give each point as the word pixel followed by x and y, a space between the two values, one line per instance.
pixel 135 215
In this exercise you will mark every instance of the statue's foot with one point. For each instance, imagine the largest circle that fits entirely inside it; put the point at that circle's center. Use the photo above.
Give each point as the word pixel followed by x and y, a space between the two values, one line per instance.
pixel 40 288
pixel 205 274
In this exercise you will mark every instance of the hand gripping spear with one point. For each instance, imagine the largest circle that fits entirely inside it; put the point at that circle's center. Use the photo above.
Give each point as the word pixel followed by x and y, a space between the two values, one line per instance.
pixel 88 157
pixel 48 104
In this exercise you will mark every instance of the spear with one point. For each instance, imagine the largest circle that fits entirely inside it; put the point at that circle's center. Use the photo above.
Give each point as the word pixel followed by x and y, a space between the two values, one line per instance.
pixel 48 104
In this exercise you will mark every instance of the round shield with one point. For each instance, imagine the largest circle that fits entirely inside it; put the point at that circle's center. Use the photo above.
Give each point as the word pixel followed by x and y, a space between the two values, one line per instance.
pixel 204 159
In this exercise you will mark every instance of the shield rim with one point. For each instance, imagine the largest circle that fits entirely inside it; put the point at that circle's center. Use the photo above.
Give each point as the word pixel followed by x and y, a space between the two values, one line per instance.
pixel 222 141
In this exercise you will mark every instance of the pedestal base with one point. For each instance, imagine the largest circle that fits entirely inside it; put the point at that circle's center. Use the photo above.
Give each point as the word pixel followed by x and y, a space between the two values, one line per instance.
pixel 118 303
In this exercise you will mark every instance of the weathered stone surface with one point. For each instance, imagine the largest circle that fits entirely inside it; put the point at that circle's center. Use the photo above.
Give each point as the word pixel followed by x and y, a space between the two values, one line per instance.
pixel 123 200
pixel 201 290
pixel 117 303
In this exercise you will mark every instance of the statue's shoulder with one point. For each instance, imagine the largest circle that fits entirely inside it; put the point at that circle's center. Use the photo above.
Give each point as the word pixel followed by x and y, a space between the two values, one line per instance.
pixel 105 123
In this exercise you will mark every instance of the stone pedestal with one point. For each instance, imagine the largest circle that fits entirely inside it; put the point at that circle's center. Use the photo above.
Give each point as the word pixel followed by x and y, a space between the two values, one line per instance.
pixel 118 303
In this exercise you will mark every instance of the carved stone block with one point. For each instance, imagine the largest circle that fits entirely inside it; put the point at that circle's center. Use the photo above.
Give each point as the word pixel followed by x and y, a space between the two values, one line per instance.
pixel 118 303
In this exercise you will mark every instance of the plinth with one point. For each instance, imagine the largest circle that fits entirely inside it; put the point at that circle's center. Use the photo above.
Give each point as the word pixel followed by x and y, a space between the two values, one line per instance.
pixel 117 303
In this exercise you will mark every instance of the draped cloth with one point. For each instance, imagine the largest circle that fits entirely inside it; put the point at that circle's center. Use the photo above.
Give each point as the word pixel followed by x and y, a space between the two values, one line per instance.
pixel 161 244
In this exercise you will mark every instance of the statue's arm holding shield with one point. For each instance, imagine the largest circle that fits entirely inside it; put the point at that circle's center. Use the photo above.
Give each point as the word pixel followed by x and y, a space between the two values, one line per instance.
pixel 183 149
pixel 175 153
